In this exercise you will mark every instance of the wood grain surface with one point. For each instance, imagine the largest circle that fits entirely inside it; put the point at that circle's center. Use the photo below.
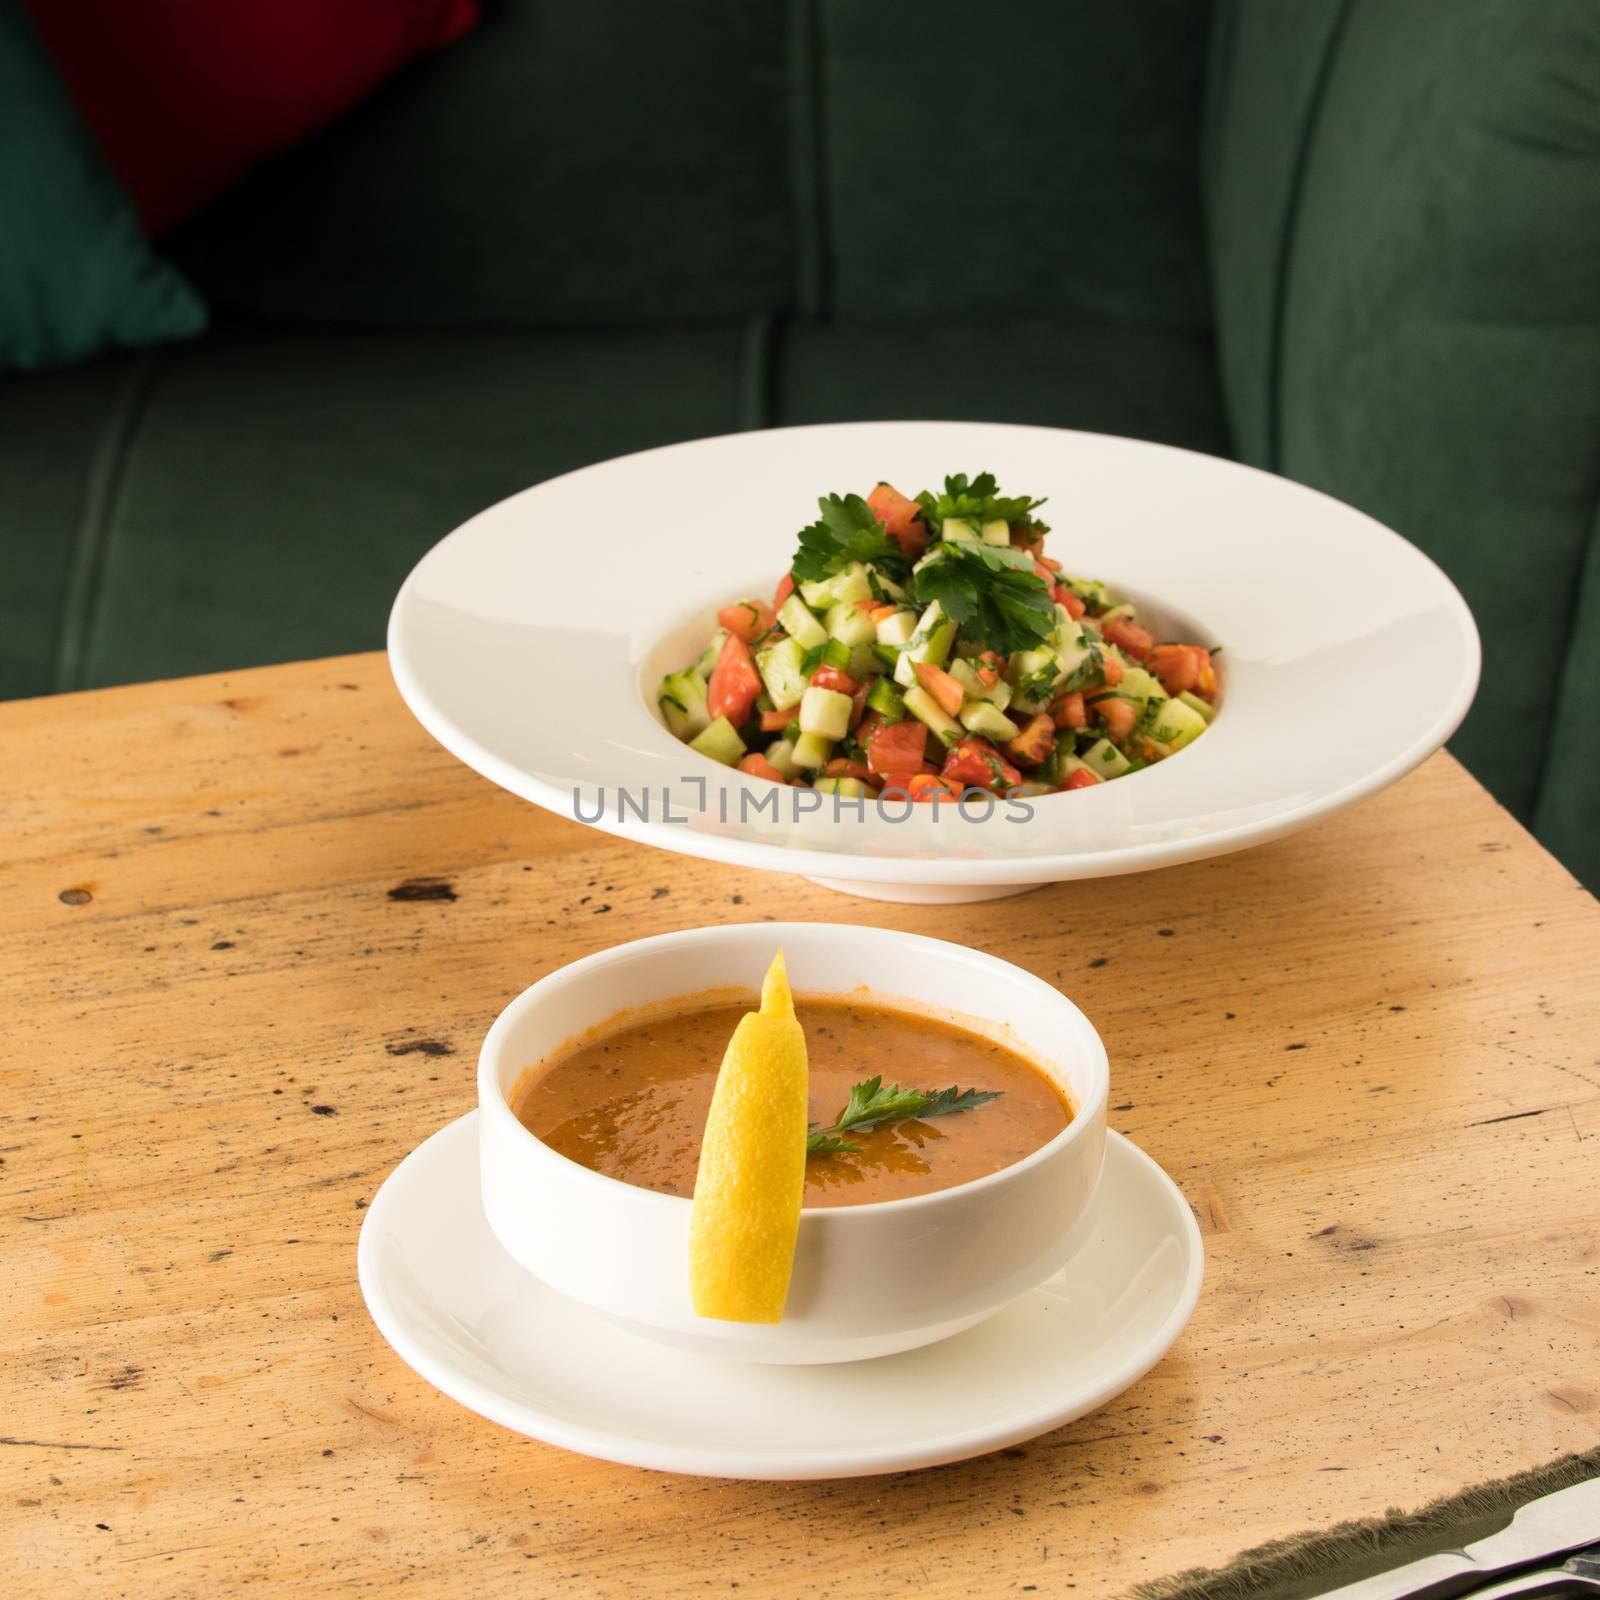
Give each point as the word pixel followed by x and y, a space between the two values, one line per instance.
pixel 252 929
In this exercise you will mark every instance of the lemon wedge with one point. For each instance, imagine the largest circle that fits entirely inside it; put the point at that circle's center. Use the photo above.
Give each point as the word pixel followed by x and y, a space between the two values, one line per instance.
pixel 752 1173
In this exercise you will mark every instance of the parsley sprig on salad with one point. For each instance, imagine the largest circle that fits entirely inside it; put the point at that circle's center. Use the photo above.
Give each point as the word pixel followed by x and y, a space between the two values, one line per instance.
pixel 928 646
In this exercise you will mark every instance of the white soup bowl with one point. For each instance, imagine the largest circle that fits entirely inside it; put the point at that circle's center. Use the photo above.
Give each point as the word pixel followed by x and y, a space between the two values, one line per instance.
pixel 868 1280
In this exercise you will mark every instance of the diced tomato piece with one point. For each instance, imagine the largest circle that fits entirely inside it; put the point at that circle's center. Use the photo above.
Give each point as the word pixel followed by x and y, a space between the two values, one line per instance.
pixel 785 589
pixel 1070 712
pixel 975 763
pixel 735 683
pixel 941 686
pixel 757 766
pixel 833 678
pixel 1117 716
pixel 1045 561
pixel 894 749
pixel 926 787
pixel 1065 597
pixel 867 731
pixel 1035 742
pixel 749 619
pixel 858 705
pixel 1111 669
pixel 988 666
pixel 879 609
pixel 901 518
pixel 777 721
pixel 842 767
pixel 1081 778
pixel 1129 637
pixel 1206 684
pixel 1176 665
pixel 1043 573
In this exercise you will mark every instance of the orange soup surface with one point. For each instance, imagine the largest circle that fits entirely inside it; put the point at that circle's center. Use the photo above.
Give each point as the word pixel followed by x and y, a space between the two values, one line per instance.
pixel 632 1104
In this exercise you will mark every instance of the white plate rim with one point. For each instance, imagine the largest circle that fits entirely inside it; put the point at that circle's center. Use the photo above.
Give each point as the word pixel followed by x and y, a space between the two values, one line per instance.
pixel 698 1461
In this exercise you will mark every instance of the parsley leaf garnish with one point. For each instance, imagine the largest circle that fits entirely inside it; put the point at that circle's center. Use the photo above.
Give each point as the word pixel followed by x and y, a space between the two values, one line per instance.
pixel 977 500
pixel 948 1101
pixel 846 531
pixel 991 592
pixel 874 1102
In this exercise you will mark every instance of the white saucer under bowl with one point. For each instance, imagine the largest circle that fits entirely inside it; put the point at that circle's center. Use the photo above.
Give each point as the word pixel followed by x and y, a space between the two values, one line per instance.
pixel 465 1317
pixel 532 641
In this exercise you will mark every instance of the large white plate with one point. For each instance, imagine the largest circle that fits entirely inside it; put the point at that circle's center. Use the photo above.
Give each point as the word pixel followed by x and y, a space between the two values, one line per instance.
pixel 531 640
pixel 462 1314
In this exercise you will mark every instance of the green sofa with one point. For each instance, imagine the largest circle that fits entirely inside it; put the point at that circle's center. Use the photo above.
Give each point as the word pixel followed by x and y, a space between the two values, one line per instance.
pixel 1353 241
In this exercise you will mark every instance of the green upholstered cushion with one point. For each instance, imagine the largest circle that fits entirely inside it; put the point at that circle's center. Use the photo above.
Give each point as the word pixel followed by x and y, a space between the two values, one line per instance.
pixel 591 164
pixel 1104 376
pixel 1267 66
pixel 76 274
pixel 1436 300
pixel 58 433
pixel 273 491
pixel 1022 158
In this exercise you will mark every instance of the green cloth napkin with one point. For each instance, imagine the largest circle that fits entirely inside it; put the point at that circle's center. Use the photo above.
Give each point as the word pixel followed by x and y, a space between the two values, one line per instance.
pixel 1313 1563
pixel 76 273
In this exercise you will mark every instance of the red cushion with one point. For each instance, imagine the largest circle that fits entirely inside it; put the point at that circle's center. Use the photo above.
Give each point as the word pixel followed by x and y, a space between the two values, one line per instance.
pixel 186 96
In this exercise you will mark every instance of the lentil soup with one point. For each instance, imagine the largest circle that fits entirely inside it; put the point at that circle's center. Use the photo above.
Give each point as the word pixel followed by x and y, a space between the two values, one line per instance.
pixel 632 1103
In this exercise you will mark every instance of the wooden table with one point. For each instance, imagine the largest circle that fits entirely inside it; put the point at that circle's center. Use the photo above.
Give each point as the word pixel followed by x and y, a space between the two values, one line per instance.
pixel 251 930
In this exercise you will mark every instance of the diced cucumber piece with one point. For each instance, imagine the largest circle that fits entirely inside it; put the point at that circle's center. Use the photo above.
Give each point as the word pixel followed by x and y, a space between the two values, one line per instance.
pixel 1089 590
pixel 897 629
pixel 796 620
pixel 708 657
pixel 996 532
pixel 781 754
pixel 967 676
pixel 997 693
pixel 883 697
pixel 863 661
pixel 825 712
pixel 1070 642
pixel 719 741
pixel 926 709
pixel 830 653
pixel 811 751
pixel 930 643
pixel 683 703
pixel 1142 686
pixel 847 787
pixel 1195 703
pixel 1034 675
pixel 782 669
pixel 1104 760
pixel 880 585
pixel 958 528
pixel 849 624
pixel 982 717
pixel 850 584
pixel 1126 612
pixel 1177 724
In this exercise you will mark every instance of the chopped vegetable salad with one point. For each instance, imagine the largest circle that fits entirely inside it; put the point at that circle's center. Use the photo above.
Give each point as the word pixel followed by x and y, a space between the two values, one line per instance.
pixel 929 646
